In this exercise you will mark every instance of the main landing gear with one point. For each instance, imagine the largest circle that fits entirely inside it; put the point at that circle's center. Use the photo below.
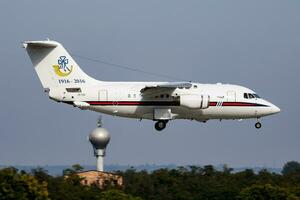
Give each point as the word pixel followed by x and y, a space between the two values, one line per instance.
pixel 160 125
pixel 258 125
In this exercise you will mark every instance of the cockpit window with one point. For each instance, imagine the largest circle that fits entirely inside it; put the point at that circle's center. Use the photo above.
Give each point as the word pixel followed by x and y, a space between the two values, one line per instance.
pixel 250 96
pixel 256 96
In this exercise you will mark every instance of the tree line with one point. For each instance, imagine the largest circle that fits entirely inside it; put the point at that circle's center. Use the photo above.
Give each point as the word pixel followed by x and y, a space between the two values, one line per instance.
pixel 188 183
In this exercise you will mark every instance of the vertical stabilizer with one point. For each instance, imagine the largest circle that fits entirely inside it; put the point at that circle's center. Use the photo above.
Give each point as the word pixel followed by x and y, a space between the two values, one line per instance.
pixel 54 65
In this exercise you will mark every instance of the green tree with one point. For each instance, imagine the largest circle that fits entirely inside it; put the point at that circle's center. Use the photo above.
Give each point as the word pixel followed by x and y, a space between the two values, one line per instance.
pixel 226 169
pixel 40 174
pixel 291 167
pixel 73 170
pixel 209 170
pixel 114 194
pixel 266 192
pixel 77 168
pixel 14 185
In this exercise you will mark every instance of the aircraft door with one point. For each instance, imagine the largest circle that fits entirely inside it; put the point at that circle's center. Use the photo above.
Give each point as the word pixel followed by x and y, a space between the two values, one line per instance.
pixel 102 95
pixel 231 96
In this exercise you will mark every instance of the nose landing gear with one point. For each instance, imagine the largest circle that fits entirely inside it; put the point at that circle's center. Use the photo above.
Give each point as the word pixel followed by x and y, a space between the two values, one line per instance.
pixel 160 125
pixel 258 125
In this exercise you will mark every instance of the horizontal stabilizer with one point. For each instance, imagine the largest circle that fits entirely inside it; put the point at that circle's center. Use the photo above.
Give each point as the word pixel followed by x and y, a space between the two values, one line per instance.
pixel 47 44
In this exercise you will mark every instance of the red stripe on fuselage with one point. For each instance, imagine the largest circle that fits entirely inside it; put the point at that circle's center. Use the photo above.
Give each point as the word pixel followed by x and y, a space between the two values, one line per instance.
pixel 235 104
pixel 135 103
pixel 167 103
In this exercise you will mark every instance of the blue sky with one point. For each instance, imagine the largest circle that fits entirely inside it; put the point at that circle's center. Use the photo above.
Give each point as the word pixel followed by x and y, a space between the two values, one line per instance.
pixel 251 43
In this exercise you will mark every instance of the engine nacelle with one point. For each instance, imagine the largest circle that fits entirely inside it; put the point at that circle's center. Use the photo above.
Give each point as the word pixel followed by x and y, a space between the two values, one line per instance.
pixel 195 101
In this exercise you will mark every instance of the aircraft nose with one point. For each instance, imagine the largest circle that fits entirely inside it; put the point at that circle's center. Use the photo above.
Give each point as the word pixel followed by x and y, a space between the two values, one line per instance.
pixel 270 109
pixel 275 109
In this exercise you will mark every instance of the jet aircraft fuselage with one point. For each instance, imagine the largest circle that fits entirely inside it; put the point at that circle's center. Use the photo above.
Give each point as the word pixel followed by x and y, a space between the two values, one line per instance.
pixel 65 82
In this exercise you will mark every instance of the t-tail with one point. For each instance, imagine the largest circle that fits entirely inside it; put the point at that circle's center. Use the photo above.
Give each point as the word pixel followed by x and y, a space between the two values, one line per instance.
pixel 55 67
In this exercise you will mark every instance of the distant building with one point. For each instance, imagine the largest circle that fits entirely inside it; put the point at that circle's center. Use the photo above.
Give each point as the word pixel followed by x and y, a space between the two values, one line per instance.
pixel 100 178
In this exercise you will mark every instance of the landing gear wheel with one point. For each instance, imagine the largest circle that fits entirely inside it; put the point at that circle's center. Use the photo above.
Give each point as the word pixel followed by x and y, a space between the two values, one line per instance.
pixel 160 125
pixel 258 125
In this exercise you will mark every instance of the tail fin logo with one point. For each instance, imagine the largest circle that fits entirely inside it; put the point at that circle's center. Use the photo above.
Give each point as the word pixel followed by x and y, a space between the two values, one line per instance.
pixel 62 69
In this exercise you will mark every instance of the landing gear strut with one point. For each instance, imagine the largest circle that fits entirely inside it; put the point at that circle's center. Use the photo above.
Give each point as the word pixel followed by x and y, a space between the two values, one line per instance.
pixel 160 125
pixel 258 125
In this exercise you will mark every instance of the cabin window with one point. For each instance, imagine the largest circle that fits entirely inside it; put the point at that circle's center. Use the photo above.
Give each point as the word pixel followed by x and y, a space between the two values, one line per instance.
pixel 161 96
pixel 246 95
pixel 129 96
pixel 134 95
pixel 195 86
pixel 167 96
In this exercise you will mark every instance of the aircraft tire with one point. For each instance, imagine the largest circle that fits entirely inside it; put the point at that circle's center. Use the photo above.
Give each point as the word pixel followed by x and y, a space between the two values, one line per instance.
pixel 160 125
pixel 258 125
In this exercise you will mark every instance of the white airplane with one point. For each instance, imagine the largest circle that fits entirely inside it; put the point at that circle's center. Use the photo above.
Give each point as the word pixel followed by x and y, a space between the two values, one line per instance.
pixel 65 82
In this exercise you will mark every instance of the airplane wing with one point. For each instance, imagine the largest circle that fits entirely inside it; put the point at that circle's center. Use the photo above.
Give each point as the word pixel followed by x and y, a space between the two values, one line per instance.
pixel 164 87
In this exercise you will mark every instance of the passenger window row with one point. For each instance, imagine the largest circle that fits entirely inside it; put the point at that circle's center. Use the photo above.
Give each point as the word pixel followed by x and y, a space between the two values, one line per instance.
pixel 194 86
pixel 163 96
pixel 132 95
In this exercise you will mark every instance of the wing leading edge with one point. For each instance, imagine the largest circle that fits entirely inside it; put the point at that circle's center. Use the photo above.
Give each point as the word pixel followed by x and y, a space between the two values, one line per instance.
pixel 157 88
